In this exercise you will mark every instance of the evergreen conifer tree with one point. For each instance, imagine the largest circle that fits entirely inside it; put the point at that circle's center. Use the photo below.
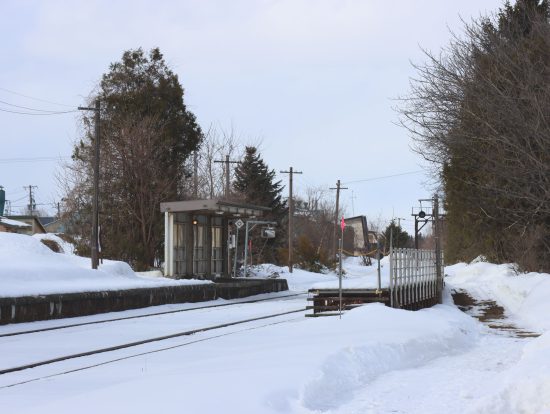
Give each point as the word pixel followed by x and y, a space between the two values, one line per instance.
pixel 400 238
pixel 147 134
pixel 255 184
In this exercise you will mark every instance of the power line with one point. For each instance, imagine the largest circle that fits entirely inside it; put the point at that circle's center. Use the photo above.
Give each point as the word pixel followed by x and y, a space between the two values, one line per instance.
pixel 36 99
pixel 19 199
pixel 26 107
pixel 383 177
pixel 31 159
pixel 37 113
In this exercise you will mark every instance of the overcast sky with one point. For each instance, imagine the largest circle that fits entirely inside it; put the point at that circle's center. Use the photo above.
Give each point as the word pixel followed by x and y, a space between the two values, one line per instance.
pixel 314 80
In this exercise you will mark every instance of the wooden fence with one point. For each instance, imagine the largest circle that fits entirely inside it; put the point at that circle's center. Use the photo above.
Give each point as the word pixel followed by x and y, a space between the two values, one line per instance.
pixel 416 278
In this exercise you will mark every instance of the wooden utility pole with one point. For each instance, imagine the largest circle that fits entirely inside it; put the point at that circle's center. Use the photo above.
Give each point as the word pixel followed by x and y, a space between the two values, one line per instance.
pixel 336 215
pixel 290 173
pixel 227 174
pixel 32 203
pixel 95 203
pixel 437 234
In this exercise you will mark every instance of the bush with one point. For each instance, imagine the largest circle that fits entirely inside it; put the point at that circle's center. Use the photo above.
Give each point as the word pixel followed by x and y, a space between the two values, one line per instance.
pixel 310 258
pixel 52 245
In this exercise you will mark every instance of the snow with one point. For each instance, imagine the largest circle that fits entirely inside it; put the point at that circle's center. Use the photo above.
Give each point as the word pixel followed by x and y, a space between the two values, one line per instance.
pixel 30 268
pixel 305 365
pixel 374 359
pixel 66 247
pixel 526 386
pixel 524 296
pixel 356 275
pixel 13 222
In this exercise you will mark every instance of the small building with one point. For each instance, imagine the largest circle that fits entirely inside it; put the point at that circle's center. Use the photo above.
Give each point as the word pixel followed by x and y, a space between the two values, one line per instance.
pixel 53 224
pixel 34 225
pixel 361 242
pixel 376 239
pixel 14 226
pixel 196 235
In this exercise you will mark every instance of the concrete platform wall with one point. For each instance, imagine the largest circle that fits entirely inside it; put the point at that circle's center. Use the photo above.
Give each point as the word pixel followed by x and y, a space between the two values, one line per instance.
pixel 35 308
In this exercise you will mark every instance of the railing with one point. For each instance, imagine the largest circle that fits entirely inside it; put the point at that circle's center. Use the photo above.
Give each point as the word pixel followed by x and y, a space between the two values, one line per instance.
pixel 416 278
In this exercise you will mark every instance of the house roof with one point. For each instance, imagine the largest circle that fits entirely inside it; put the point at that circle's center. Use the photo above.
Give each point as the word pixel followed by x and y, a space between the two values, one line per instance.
pixel 13 223
pixel 29 220
pixel 47 220
pixel 213 206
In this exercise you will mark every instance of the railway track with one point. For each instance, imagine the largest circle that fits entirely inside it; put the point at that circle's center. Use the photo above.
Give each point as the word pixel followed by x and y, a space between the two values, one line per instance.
pixel 143 342
pixel 73 325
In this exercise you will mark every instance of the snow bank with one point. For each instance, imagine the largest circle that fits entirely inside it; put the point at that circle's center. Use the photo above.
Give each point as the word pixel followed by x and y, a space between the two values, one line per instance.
pixel 388 339
pixel 308 365
pixel 29 268
pixel 66 247
pixel 356 275
pixel 524 296
pixel 299 280
pixel 527 388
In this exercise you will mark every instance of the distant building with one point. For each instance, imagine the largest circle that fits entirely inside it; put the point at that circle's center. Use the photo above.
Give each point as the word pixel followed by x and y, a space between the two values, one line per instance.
pixel 14 226
pixel 34 224
pixel 361 242
pixel 53 224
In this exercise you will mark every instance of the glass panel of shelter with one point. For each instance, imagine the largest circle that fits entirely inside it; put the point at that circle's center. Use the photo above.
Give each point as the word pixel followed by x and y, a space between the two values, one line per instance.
pixel 180 232
pixel 217 253
pixel 199 245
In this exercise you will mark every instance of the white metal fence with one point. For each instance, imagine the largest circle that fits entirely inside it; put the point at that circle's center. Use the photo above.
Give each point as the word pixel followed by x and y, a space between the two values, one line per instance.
pixel 415 280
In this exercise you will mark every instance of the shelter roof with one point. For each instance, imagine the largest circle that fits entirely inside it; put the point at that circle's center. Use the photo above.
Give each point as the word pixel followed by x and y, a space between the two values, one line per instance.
pixel 215 206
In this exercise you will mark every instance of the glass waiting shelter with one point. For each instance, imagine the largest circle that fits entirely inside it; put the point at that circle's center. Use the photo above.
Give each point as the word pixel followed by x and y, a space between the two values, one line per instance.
pixel 196 234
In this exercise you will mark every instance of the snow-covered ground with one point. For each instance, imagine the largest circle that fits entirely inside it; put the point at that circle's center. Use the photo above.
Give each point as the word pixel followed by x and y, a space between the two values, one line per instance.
pixel 28 267
pixel 355 275
pixel 373 360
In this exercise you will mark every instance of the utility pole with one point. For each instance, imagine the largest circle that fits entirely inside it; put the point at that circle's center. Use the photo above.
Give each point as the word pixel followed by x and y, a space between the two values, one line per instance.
pixel 290 173
pixel 437 234
pixel 336 214
pixel 32 203
pixel 227 173
pixel 95 203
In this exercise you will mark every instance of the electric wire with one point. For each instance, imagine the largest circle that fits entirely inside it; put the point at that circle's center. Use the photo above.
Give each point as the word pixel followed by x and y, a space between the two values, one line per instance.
pixel 28 108
pixel 38 113
pixel 36 99
pixel 383 177
pixel 31 159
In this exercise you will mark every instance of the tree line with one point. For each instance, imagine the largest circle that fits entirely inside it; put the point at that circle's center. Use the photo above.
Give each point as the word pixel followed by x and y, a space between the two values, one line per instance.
pixel 154 150
pixel 479 113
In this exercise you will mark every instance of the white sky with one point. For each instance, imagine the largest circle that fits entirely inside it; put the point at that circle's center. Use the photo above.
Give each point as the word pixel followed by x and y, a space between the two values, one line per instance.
pixel 314 80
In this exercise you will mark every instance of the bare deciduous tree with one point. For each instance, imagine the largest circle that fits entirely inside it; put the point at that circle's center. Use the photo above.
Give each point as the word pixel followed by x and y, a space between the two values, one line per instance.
pixel 479 112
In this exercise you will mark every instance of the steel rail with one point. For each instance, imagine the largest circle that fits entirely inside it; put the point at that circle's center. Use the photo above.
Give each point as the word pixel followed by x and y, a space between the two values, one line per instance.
pixel 141 342
pixel 112 361
pixel 54 328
